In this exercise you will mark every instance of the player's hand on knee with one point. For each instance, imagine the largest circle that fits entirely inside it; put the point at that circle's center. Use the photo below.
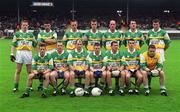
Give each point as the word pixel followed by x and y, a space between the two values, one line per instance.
pixel 12 58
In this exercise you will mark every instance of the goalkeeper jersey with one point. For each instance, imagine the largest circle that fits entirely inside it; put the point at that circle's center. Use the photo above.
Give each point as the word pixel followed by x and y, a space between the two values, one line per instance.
pixel 159 38
pixel 24 41
pixel 93 38
pixel 137 36
pixel 42 63
pixel 47 35
pixel 78 59
pixel 132 59
pixel 70 37
pixel 109 37
pixel 60 60
pixel 150 62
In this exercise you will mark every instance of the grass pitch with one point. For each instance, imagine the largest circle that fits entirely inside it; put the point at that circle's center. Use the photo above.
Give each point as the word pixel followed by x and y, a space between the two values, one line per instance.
pixel 10 102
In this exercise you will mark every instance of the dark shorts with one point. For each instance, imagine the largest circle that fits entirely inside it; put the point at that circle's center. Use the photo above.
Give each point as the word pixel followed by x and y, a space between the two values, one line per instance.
pixel 133 73
pixel 79 73
pixel 97 73
pixel 39 76
pixel 60 74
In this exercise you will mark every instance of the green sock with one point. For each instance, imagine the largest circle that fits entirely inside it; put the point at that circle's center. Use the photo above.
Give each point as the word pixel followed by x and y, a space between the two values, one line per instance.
pixel 72 88
pixel 86 87
pixel 110 87
pixel 16 85
pixel 55 88
pixel 45 90
pixel 121 88
pixel 101 83
pixel 137 87
pixel 27 90
pixel 64 85
pixel 41 84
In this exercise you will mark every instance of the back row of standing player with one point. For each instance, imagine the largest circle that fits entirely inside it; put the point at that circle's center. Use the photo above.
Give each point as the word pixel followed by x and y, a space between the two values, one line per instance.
pixel 23 41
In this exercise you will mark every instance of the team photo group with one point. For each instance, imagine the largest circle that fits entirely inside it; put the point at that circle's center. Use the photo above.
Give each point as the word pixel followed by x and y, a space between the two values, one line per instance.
pixel 90 63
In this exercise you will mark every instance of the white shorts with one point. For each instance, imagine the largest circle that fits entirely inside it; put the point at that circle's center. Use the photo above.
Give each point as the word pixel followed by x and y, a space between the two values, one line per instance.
pixel 24 57
pixel 50 51
pixel 155 73
pixel 115 73
pixel 161 51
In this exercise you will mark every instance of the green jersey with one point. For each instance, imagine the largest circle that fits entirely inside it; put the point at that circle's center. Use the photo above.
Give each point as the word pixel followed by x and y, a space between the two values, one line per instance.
pixel 42 63
pixel 93 38
pixel 159 38
pixel 70 37
pixel 24 41
pixel 132 59
pixel 114 59
pixel 60 60
pixel 78 59
pixel 47 35
pixel 137 36
pixel 96 61
pixel 109 37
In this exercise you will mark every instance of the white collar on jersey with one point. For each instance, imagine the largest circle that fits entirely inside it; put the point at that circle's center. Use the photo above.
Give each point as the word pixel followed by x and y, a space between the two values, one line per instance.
pixel 23 32
pixel 74 32
pixel 61 52
pixel 133 32
pixel 47 32
pixel 113 53
pixel 156 31
pixel 43 56
pixel 130 51
pixel 97 55
pixel 79 52
pixel 93 32
pixel 111 32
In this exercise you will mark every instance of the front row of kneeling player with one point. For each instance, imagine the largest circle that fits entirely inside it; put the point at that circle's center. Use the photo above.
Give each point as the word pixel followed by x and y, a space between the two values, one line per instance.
pixel 105 65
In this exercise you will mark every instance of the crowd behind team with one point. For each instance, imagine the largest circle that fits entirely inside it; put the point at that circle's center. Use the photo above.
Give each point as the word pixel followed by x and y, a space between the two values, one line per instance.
pixel 90 56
